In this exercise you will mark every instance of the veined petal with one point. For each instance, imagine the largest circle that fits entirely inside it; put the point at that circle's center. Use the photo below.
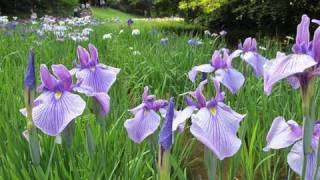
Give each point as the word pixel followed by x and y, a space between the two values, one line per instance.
pixel 231 118
pixel 182 116
pixel 115 70
pixel 52 115
pixel 83 56
pixel 206 68
pixel 256 61
pixel 295 160
pixel 283 67
pixel 282 134
pixel 142 125
pixel 47 79
pixel 215 134
pixel 63 73
pixel 94 53
pixel 100 80
pixel 230 78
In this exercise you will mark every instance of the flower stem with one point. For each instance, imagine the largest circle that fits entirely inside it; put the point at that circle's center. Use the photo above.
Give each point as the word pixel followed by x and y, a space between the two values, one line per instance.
pixel 308 108
pixel 211 163
pixel 50 160
pixel 90 140
pixel 164 164
pixel 153 150
pixel 33 135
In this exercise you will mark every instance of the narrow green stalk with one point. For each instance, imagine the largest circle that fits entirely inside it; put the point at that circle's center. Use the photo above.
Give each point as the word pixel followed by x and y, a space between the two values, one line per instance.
pixel 90 140
pixel 153 148
pixel 308 107
pixel 211 163
pixel 164 164
pixel 50 160
pixel 34 147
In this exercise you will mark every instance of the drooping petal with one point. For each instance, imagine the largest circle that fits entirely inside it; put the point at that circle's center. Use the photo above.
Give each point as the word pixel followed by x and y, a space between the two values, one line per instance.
pixel 100 80
pixel 206 68
pixel 283 67
pixel 215 134
pixel 63 74
pixel 52 115
pixel 182 116
pixel 48 81
pixel 166 134
pixel 104 101
pixel 295 160
pixel 83 56
pixel 231 118
pixel 142 125
pixel 94 54
pixel 282 134
pixel 230 78
pixel 256 61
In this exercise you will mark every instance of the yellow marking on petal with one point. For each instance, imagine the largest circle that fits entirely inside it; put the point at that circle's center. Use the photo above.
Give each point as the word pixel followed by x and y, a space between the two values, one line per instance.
pixel 57 95
pixel 213 110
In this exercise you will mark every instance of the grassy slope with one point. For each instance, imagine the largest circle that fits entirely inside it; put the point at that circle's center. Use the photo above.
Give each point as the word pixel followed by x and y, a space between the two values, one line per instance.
pixel 164 69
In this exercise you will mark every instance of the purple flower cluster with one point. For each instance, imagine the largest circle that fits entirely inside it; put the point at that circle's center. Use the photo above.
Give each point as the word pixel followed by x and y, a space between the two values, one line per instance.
pixel 58 103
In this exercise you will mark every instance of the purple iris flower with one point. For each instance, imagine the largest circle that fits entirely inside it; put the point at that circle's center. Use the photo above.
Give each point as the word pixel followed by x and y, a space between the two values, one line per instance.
pixel 146 120
pixel 283 134
pixel 57 106
pixel 220 64
pixel 300 66
pixel 248 52
pixel 94 76
pixel 215 124
pixel 166 133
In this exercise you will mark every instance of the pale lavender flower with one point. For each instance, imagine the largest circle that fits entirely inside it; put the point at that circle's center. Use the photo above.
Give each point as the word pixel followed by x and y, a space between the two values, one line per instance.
pixel 146 120
pixel 215 124
pixel 220 64
pixel 299 66
pixel 248 52
pixel 94 78
pixel 283 134
pixel 57 106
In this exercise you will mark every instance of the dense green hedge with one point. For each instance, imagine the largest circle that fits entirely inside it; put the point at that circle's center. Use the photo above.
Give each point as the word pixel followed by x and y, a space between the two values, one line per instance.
pixel 62 7
pixel 250 14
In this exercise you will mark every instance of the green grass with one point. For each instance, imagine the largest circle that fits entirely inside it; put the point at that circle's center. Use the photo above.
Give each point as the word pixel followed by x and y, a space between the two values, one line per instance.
pixel 105 13
pixel 164 69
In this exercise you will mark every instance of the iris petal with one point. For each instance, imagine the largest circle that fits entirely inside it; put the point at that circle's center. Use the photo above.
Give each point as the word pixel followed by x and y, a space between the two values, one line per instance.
pixel 230 78
pixel 256 61
pixel 214 133
pixel 63 74
pixel 282 134
pixel 283 67
pixel 53 115
pixel 142 125
pixel 100 80
pixel 295 160
pixel 206 68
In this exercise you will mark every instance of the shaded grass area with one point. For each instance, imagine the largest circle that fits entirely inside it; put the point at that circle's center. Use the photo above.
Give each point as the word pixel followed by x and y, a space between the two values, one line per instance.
pixel 164 69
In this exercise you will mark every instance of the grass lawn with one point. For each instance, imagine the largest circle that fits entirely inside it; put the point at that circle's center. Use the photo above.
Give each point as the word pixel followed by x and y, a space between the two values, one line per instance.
pixel 164 69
